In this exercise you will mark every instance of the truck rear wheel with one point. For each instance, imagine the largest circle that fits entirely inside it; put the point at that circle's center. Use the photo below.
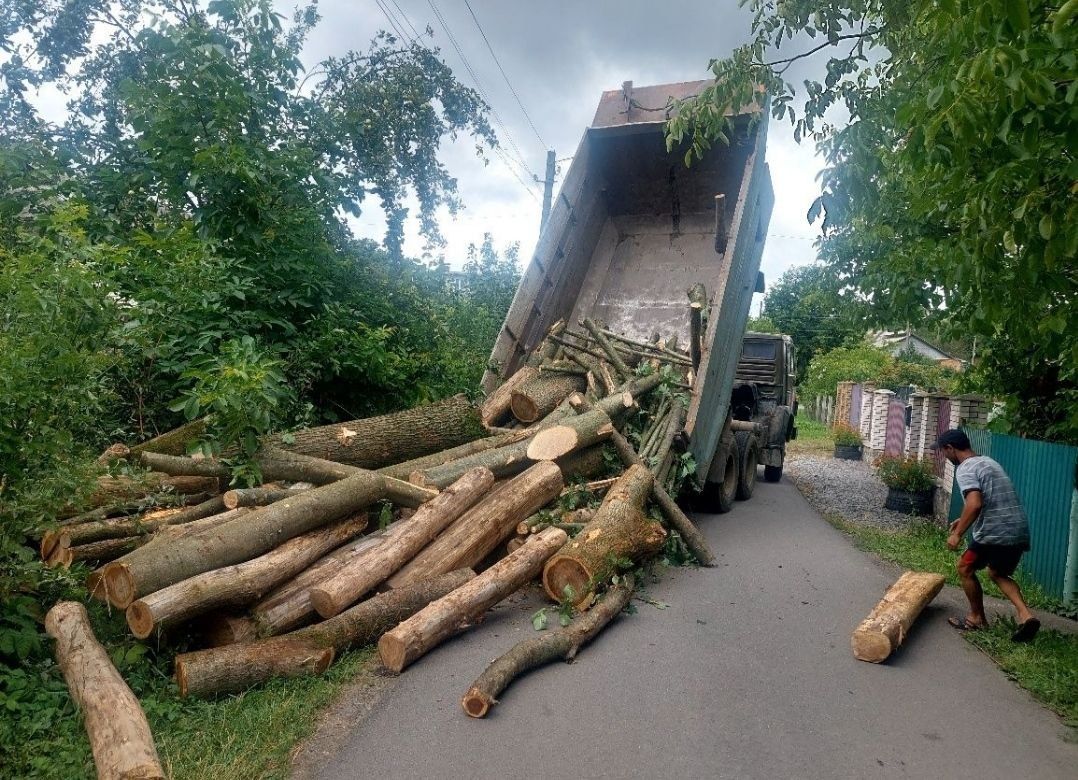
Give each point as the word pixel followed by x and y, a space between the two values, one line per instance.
pixel 748 457
pixel 772 473
pixel 721 487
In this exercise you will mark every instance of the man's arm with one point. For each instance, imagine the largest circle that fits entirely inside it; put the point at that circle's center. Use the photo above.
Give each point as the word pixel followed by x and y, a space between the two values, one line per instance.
pixel 971 509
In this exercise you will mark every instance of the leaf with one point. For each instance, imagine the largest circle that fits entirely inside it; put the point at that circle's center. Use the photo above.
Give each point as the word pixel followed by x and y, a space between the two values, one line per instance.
pixel 934 96
pixel 1045 227
pixel 1018 14
pixel 539 620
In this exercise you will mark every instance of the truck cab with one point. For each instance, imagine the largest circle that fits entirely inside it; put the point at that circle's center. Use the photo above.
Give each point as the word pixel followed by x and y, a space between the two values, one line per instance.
pixel 764 393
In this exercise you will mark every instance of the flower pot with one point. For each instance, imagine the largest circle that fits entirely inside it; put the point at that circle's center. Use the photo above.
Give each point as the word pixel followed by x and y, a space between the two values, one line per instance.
pixel 848 451
pixel 909 503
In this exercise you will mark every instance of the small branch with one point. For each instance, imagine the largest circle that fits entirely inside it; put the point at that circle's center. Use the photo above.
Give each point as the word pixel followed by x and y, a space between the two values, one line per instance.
pixel 830 42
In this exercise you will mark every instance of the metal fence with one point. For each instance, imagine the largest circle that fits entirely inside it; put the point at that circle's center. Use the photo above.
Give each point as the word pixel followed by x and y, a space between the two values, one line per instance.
pixel 1046 480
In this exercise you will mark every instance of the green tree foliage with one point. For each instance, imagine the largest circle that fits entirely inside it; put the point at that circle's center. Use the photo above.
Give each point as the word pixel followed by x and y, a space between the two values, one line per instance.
pixel 863 363
pixel 951 186
pixel 816 308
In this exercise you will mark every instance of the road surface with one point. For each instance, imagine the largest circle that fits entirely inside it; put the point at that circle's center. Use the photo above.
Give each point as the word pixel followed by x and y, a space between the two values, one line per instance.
pixel 747 673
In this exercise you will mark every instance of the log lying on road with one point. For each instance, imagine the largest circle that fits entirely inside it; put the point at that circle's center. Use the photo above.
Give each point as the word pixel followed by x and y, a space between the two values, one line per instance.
pixel 532 653
pixel 381 441
pixel 433 624
pixel 152 568
pixel 238 584
pixel 480 530
pixel 619 531
pixel 309 650
pixel 119 734
pixel 361 574
pixel 887 625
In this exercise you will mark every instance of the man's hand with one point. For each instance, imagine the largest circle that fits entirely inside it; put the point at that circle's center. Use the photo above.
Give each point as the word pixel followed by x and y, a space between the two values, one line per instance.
pixel 954 526
pixel 954 540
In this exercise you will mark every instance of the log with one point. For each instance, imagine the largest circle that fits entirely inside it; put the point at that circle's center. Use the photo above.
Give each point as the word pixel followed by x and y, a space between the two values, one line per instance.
pixel 114 452
pixel 117 490
pixel 174 442
pixel 440 619
pixel 259 496
pixel 572 433
pixel 147 570
pixel 652 350
pixel 119 734
pixel 481 529
pixel 309 650
pixel 176 465
pixel 540 395
pixel 404 470
pixel 103 551
pixel 611 353
pixel 222 628
pixel 620 532
pixel 238 584
pixel 697 301
pixel 381 441
pixel 663 447
pixel 278 464
pixel 496 405
pixel 289 605
pixel 564 644
pixel 363 573
pixel 886 627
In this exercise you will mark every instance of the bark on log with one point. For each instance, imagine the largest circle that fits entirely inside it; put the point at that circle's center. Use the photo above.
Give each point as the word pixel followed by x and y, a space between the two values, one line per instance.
pixel 179 466
pixel 541 395
pixel 222 628
pixel 611 353
pixel 289 605
pixel 114 452
pixel 404 470
pixel 174 442
pixel 119 734
pixel 147 570
pixel 430 626
pixel 480 530
pixel 564 644
pixel 259 496
pixel 496 406
pixel 238 584
pixel 381 441
pixel 278 464
pixel 309 650
pixel 103 551
pixel 620 531
pixel 572 433
pixel 887 625
pixel 363 573
pixel 118 490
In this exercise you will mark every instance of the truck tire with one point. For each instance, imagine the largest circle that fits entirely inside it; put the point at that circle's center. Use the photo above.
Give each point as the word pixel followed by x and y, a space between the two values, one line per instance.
pixel 717 497
pixel 772 473
pixel 748 459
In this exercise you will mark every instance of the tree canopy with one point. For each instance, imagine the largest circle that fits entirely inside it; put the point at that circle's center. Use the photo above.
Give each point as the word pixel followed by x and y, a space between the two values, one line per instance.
pixel 951 187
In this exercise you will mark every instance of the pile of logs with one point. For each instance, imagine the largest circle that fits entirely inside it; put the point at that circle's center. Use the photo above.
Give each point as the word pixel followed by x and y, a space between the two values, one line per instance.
pixel 278 579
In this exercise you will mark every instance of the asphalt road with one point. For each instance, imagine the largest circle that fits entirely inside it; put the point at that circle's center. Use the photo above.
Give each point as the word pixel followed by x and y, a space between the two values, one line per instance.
pixel 746 674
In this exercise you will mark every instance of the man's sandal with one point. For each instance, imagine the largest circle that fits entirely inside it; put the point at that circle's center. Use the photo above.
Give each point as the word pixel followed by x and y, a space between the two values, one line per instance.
pixel 1026 631
pixel 964 624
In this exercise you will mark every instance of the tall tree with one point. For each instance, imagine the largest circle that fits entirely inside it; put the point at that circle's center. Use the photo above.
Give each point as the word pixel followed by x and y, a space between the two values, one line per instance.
pixel 951 187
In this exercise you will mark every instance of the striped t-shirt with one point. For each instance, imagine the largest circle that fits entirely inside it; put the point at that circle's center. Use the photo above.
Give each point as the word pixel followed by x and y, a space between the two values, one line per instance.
pixel 1002 520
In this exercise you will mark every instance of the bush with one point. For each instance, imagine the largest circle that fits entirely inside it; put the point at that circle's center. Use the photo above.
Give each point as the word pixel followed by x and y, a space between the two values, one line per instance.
pixel 865 364
pixel 846 436
pixel 909 474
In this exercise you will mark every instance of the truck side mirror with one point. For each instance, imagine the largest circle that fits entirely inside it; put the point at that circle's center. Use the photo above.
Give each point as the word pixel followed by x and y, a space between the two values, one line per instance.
pixel 761 283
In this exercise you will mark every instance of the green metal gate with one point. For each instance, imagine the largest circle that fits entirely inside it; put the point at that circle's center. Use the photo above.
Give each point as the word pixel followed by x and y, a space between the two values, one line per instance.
pixel 1046 480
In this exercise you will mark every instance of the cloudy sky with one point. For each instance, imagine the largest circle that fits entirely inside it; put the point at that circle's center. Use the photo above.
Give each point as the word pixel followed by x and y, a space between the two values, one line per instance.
pixel 559 56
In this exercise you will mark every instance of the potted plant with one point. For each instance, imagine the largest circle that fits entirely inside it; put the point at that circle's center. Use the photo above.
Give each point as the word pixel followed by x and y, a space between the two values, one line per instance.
pixel 847 442
pixel 910 484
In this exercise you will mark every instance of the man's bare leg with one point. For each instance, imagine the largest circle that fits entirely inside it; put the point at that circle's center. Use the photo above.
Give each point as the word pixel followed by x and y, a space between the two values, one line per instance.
pixel 1013 592
pixel 974 594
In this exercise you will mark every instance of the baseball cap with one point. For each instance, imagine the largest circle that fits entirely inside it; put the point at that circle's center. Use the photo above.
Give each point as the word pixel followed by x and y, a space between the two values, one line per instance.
pixel 954 438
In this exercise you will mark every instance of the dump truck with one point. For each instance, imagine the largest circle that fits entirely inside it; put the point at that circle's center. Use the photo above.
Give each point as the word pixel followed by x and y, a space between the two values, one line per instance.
pixel 630 234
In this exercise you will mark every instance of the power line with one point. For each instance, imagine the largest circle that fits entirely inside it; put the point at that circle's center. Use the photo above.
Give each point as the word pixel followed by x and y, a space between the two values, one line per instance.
pixel 504 76
pixel 519 158
pixel 407 21
pixel 392 21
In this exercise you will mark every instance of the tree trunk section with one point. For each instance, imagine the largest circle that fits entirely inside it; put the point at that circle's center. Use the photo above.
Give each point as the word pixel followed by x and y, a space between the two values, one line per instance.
pixel 619 532
pixel 238 584
pixel 309 650
pixel 611 353
pixel 101 552
pixel 118 490
pixel 404 470
pixel 381 441
pixel 361 574
pixel 480 530
pixel 149 569
pixel 496 405
pixel 541 395
pixel 571 434
pixel 887 625
pixel 120 736
pixel 259 496
pixel 532 653
pixel 432 625
pixel 174 442
pixel 179 466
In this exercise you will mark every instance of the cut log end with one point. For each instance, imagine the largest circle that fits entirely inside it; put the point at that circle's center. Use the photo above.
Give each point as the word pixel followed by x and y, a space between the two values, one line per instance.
pixel 324 603
pixel 553 443
pixel 140 619
pixel 566 579
pixel 476 703
pixel 870 646
pixel 393 652
pixel 119 585
pixel 231 499
pixel 523 408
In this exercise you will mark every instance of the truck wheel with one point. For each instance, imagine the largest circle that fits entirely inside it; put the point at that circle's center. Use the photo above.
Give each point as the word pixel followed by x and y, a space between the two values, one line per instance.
pixel 717 497
pixel 772 473
pixel 748 457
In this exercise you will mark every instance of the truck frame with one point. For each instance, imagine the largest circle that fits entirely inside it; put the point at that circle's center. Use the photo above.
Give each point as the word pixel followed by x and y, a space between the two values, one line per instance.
pixel 633 229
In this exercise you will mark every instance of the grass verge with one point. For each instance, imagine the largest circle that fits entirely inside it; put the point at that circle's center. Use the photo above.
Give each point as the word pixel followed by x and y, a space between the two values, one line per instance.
pixel 1046 667
pixel 813 438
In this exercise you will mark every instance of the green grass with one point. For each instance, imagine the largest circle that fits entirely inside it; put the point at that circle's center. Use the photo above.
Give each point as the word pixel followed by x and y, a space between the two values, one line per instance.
pixel 813 438
pixel 1046 667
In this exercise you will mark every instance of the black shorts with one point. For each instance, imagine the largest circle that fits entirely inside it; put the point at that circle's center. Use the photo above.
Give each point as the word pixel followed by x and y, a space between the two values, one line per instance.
pixel 1000 558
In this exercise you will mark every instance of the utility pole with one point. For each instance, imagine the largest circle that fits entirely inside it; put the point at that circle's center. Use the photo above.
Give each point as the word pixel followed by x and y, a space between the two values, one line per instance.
pixel 548 189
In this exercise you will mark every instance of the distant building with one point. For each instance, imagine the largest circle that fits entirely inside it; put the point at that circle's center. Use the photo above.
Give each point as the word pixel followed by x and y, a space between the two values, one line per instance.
pixel 898 341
